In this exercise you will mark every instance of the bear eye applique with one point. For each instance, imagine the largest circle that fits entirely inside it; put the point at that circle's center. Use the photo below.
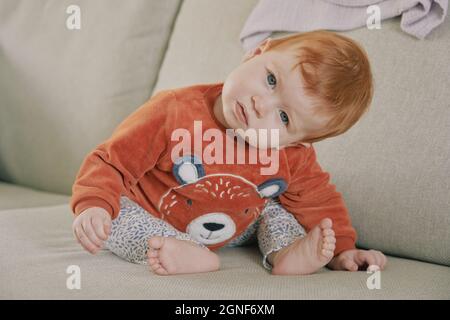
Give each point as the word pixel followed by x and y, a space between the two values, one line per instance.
pixel 189 202
pixel 188 169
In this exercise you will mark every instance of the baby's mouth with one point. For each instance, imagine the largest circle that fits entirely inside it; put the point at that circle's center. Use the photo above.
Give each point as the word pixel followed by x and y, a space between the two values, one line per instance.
pixel 240 112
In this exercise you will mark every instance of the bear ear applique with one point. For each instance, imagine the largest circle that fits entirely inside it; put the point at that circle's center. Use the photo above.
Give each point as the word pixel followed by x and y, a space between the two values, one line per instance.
pixel 188 169
pixel 272 188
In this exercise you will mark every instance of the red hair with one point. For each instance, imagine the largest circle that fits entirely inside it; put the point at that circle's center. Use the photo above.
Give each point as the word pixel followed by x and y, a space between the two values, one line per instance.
pixel 336 72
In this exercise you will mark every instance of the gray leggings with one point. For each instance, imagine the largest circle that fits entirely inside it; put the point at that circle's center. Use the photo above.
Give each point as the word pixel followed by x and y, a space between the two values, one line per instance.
pixel 274 229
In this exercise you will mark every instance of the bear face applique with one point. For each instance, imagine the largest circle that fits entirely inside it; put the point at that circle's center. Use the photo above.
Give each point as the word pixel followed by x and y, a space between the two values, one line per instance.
pixel 214 208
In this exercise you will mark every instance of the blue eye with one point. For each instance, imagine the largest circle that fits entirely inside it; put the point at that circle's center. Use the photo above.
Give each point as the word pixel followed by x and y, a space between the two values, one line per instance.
pixel 284 117
pixel 271 77
pixel 272 80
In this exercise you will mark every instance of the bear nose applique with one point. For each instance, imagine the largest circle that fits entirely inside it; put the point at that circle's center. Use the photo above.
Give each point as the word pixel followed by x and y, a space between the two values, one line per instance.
pixel 212 226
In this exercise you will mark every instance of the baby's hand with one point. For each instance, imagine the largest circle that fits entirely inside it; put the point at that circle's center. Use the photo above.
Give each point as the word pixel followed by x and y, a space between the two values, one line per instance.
pixel 355 259
pixel 91 228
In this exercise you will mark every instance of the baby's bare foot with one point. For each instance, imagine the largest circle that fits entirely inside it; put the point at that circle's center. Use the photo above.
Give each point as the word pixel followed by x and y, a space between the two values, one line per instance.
pixel 168 256
pixel 308 254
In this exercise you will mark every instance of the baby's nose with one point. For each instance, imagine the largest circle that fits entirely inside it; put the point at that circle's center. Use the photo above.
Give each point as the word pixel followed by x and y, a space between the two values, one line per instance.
pixel 262 108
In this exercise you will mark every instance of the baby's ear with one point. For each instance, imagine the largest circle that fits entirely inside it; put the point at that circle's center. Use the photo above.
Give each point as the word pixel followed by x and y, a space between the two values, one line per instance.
pixel 263 46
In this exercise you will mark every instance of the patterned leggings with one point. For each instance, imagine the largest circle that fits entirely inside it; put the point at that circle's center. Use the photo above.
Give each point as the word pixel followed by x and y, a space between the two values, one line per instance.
pixel 274 229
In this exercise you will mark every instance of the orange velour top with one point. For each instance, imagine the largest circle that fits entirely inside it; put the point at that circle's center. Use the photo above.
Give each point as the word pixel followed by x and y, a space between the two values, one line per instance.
pixel 212 201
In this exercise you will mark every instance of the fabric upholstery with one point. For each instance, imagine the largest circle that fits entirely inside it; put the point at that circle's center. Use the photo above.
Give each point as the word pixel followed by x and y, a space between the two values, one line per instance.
pixel 63 91
pixel 13 196
pixel 37 247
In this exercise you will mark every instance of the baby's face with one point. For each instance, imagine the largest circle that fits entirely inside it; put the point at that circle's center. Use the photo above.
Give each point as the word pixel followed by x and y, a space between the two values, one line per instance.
pixel 263 93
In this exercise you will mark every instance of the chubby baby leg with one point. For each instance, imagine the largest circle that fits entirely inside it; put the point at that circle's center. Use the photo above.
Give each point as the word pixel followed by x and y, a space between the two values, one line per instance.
pixel 287 249
pixel 306 255
pixel 139 237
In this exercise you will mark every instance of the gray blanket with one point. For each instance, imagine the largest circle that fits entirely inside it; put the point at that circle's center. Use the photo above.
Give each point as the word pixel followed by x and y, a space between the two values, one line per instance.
pixel 418 17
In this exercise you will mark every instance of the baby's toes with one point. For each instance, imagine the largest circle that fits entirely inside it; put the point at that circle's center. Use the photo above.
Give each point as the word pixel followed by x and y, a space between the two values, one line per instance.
pixel 152 253
pixel 328 233
pixel 156 243
pixel 329 239
pixel 327 249
pixel 158 269
pixel 327 253
pixel 326 224
pixel 153 262
pixel 156 266
pixel 329 246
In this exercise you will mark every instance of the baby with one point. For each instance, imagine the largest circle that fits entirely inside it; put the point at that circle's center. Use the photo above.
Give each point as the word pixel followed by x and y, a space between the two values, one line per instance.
pixel 152 202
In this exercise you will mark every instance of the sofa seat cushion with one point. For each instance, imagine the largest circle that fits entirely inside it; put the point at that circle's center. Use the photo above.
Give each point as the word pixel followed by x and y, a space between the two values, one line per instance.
pixel 14 196
pixel 37 247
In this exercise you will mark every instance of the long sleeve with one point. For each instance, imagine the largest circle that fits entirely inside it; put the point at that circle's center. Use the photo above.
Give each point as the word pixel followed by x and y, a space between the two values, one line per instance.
pixel 311 197
pixel 116 165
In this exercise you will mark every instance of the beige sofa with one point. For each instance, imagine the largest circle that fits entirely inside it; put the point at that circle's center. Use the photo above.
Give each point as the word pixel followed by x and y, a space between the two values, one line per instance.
pixel 63 91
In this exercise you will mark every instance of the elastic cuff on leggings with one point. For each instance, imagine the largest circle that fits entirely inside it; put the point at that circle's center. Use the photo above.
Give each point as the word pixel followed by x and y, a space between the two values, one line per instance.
pixel 266 262
pixel 181 237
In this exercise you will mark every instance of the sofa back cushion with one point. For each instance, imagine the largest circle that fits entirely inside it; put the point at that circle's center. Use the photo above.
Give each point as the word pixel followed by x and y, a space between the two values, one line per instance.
pixel 63 90
pixel 393 166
